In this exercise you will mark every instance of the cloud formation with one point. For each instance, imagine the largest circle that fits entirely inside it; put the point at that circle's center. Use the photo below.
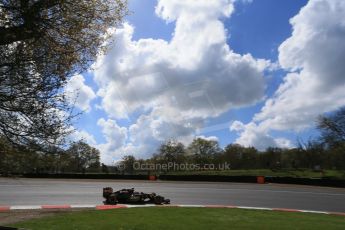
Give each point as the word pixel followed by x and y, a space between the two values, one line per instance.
pixel 314 56
pixel 82 135
pixel 79 93
pixel 177 84
pixel 255 135
pixel 115 135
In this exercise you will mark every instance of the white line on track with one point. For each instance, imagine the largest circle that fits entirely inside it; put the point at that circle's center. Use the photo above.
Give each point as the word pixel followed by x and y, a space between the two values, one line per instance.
pixel 83 206
pixel 25 207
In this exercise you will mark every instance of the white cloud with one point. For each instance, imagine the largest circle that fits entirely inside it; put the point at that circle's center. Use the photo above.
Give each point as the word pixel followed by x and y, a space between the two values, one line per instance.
pixel 171 10
pixel 83 135
pixel 188 77
pixel 146 135
pixel 237 126
pixel 79 93
pixel 314 54
pixel 257 136
pixel 115 137
pixel 209 138
pixel 181 82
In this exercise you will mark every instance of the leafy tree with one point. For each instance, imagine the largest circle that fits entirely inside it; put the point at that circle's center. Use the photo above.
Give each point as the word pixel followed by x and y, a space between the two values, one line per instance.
pixel 233 155
pixel 313 154
pixel 171 151
pixel 272 157
pixel 332 127
pixel 127 163
pixel 337 157
pixel 65 162
pixel 42 44
pixel 203 150
pixel 292 158
pixel 7 157
pixel 240 157
pixel 105 168
pixel 84 157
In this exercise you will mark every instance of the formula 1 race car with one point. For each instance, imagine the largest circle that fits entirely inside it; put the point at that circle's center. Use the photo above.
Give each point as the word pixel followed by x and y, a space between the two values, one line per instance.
pixel 129 196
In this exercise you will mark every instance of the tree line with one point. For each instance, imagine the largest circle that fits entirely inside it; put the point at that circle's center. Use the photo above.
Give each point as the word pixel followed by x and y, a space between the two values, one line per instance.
pixel 325 152
pixel 78 158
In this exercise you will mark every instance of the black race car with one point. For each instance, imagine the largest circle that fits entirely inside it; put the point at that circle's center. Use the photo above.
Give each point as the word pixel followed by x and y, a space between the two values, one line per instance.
pixel 129 196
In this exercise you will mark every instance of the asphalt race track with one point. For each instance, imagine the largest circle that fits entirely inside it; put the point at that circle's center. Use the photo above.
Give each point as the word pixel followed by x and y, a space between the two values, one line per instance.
pixel 63 191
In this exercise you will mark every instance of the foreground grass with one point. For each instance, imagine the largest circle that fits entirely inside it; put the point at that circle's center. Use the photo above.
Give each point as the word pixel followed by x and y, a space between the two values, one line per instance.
pixel 185 218
pixel 307 173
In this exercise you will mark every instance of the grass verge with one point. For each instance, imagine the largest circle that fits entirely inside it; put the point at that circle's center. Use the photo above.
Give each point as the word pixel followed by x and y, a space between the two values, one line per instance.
pixel 184 218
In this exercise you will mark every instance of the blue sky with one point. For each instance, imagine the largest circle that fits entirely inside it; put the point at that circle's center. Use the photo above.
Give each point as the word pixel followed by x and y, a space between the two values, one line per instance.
pixel 157 42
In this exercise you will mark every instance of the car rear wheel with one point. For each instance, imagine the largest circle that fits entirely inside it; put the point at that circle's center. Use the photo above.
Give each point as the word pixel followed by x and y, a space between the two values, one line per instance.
pixel 158 200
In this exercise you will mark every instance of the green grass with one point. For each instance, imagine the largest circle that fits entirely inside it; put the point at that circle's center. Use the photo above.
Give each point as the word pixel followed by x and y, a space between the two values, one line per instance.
pixel 185 218
pixel 307 173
